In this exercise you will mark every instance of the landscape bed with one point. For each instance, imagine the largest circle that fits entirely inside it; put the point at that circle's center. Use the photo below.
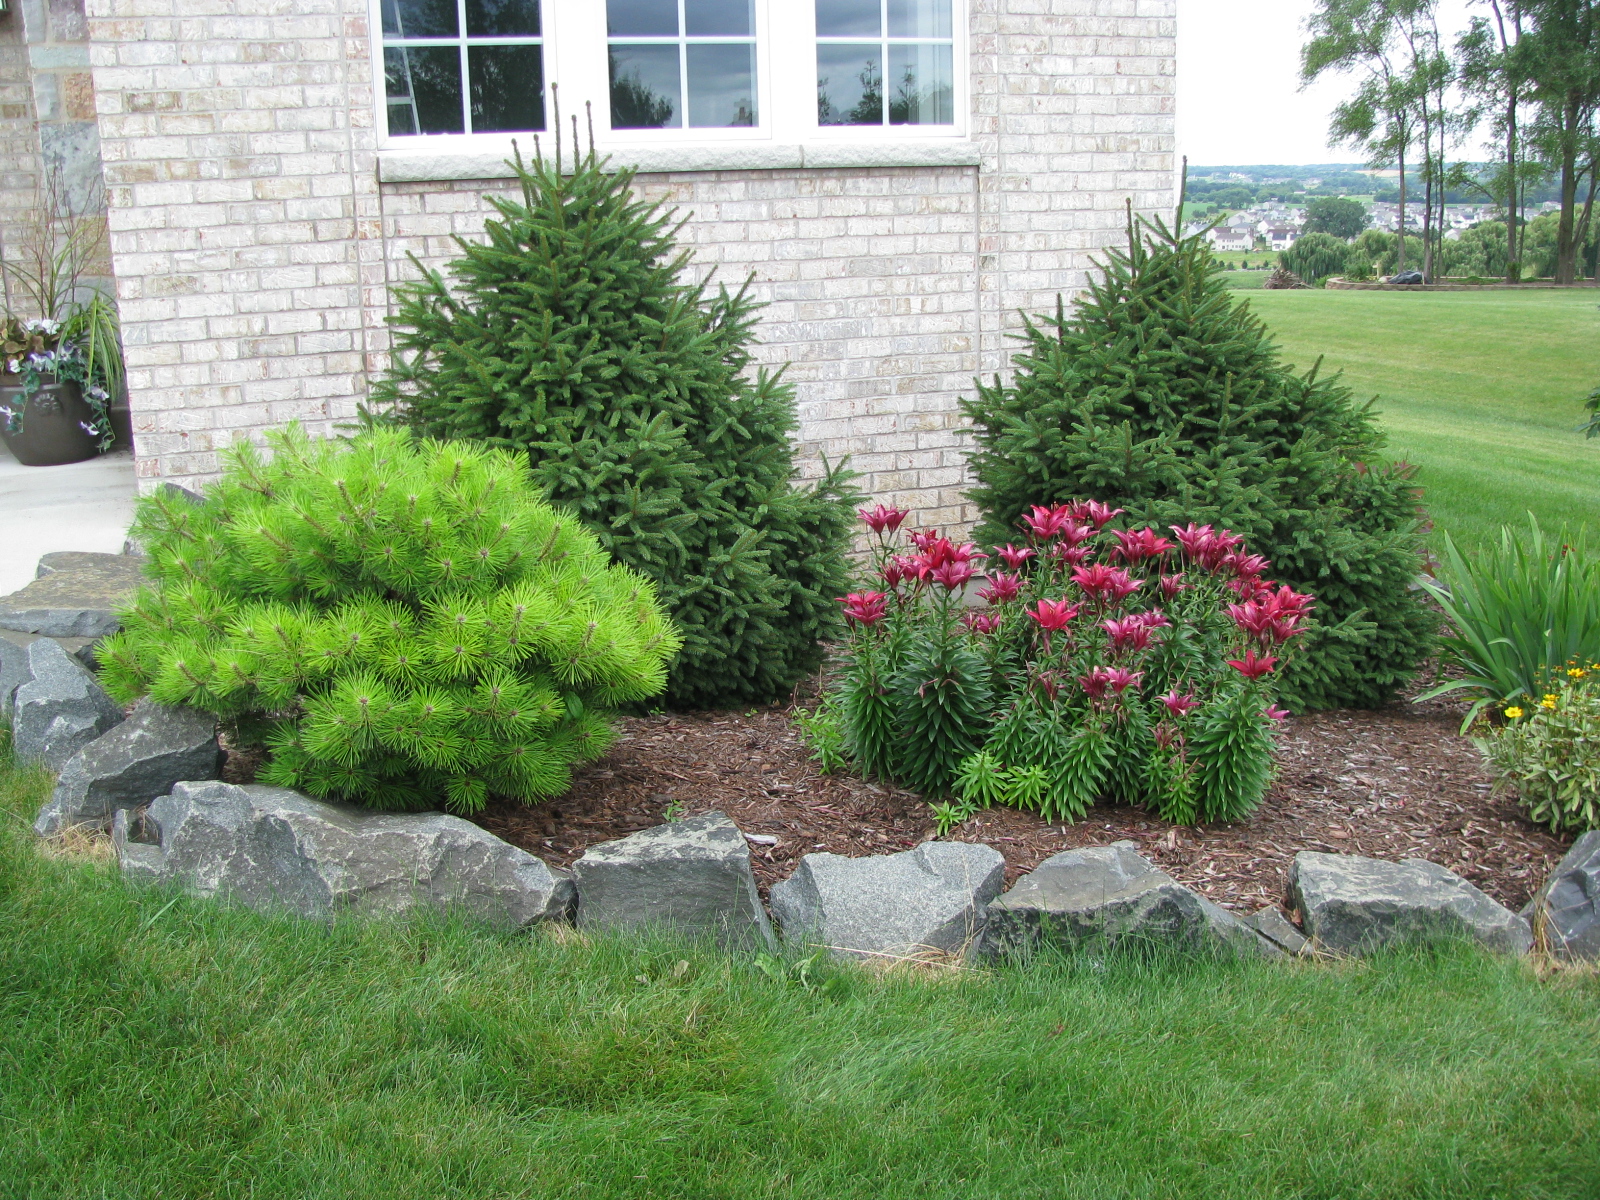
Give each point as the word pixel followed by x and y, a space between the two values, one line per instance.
pixel 1392 784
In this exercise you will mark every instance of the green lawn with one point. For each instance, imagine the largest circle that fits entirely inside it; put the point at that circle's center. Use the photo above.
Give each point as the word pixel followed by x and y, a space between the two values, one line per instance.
pixel 155 1046
pixel 1482 391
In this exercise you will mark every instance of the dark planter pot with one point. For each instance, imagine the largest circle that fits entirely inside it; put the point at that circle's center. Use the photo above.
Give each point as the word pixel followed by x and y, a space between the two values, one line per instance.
pixel 52 425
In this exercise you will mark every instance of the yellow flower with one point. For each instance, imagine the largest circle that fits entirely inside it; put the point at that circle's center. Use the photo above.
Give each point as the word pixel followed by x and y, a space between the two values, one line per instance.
pixel 1576 673
pixel 1548 702
pixel 1514 713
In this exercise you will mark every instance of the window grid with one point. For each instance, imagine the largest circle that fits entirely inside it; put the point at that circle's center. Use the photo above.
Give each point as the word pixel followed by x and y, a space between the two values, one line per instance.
pixel 883 41
pixel 683 41
pixel 462 41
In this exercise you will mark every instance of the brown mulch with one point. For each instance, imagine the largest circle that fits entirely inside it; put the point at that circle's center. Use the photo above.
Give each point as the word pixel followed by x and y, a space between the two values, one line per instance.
pixel 1398 783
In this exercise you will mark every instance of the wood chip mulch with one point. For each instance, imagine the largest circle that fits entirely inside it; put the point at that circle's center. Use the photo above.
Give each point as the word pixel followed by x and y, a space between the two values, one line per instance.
pixel 1398 783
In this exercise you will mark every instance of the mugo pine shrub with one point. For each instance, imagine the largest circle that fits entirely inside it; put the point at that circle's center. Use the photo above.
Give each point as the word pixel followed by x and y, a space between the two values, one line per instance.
pixel 412 620
pixel 1163 395
pixel 569 336
pixel 1108 665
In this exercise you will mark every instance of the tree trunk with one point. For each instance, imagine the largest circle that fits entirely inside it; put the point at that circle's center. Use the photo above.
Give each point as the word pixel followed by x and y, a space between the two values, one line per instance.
pixel 1400 246
pixel 1513 259
pixel 1566 247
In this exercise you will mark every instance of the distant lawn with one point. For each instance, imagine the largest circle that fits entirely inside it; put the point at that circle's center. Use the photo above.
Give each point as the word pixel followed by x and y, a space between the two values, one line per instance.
pixel 1482 391
pixel 153 1046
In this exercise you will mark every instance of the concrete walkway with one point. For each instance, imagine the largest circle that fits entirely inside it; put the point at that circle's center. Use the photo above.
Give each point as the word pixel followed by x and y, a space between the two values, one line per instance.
pixel 81 506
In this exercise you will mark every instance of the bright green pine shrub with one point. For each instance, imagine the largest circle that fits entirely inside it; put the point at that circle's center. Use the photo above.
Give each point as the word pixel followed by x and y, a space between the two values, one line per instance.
pixel 1548 752
pixel 1108 665
pixel 1163 395
pixel 569 335
pixel 1520 614
pixel 410 617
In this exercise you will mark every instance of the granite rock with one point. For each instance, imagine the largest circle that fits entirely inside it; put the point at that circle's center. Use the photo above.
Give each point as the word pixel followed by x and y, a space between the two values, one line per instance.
pixel 60 709
pixel 1355 905
pixel 75 595
pixel 274 849
pixel 1271 924
pixel 1570 900
pixel 688 877
pixel 130 765
pixel 1110 897
pixel 930 898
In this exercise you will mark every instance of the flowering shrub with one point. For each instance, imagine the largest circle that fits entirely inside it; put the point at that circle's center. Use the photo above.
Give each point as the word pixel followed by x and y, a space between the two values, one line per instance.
pixel 1549 751
pixel 36 352
pixel 1105 664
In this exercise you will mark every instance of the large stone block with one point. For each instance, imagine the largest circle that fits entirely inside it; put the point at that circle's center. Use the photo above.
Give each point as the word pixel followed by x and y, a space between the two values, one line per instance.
pixel 1355 905
pixel 1110 897
pixel 75 595
pixel 60 709
pixel 1570 900
pixel 130 765
pixel 271 848
pixel 689 877
pixel 930 898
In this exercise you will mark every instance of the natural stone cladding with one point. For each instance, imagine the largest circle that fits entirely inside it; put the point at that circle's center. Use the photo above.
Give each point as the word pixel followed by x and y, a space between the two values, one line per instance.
pixel 254 247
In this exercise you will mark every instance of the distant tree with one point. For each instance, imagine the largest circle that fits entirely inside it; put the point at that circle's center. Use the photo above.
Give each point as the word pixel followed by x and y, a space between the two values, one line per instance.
pixel 1315 257
pixel 1342 218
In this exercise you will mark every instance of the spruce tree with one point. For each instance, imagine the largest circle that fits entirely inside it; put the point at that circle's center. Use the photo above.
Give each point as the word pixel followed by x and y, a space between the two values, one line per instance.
pixel 1163 394
pixel 571 335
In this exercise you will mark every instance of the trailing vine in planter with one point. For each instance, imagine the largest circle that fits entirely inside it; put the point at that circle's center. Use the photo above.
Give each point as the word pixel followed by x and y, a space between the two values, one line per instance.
pixel 1105 665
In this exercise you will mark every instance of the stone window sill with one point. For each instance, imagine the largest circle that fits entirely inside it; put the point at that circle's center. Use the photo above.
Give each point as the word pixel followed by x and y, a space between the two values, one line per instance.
pixel 439 165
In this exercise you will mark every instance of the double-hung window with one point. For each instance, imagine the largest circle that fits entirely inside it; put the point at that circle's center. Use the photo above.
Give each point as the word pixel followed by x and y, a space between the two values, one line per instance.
pixel 659 73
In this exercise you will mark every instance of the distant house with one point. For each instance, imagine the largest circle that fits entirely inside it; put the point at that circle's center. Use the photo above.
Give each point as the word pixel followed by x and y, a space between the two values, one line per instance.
pixel 1232 239
pixel 1281 237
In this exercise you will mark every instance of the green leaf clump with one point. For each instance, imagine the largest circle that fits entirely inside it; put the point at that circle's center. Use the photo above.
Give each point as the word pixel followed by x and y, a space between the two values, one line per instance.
pixel 1163 395
pixel 569 335
pixel 407 623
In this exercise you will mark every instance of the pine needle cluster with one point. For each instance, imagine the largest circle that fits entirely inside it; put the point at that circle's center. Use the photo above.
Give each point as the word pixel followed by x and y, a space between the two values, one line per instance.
pixel 569 335
pixel 408 621
pixel 1164 395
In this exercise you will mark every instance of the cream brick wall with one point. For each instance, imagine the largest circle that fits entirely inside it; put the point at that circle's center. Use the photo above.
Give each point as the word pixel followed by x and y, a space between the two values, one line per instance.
pixel 254 248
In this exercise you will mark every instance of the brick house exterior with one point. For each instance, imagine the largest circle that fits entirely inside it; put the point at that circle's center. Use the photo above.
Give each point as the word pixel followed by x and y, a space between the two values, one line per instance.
pixel 258 219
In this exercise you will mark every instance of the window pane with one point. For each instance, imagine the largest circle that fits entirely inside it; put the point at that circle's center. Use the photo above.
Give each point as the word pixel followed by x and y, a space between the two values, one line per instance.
pixel 419 18
pixel 849 85
pixel 502 18
pixel 722 86
pixel 921 86
pixel 719 18
pixel 424 85
pixel 507 88
pixel 642 18
pixel 849 18
pixel 644 87
pixel 919 18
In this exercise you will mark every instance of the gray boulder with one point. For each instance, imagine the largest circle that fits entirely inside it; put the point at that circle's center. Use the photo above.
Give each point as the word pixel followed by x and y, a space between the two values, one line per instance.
pixel 930 898
pixel 60 709
pixel 1105 897
pixel 1271 924
pixel 689 877
pixel 75 595
pixel 1355 905
pixel 130 765
pixel 1570 900
pixel 274 849
pixel 14 670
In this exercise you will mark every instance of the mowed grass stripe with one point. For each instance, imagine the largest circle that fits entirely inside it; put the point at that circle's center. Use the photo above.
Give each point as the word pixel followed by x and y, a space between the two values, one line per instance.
pixel 1482 391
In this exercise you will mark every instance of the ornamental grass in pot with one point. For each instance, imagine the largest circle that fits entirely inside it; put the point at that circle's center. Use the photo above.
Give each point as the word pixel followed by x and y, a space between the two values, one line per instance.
pixel 60 341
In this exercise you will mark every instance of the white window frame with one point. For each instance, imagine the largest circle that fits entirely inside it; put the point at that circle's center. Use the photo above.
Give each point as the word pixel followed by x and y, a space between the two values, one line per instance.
pixel 576 60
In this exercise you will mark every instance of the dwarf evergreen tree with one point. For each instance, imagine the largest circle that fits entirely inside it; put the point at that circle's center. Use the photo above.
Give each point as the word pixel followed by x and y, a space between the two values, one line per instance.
pixel 570 336
pixel 1164 395
pixel 413 622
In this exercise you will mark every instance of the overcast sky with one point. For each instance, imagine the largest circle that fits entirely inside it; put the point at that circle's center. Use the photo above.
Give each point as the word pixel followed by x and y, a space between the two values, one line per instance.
pixel 1239 97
